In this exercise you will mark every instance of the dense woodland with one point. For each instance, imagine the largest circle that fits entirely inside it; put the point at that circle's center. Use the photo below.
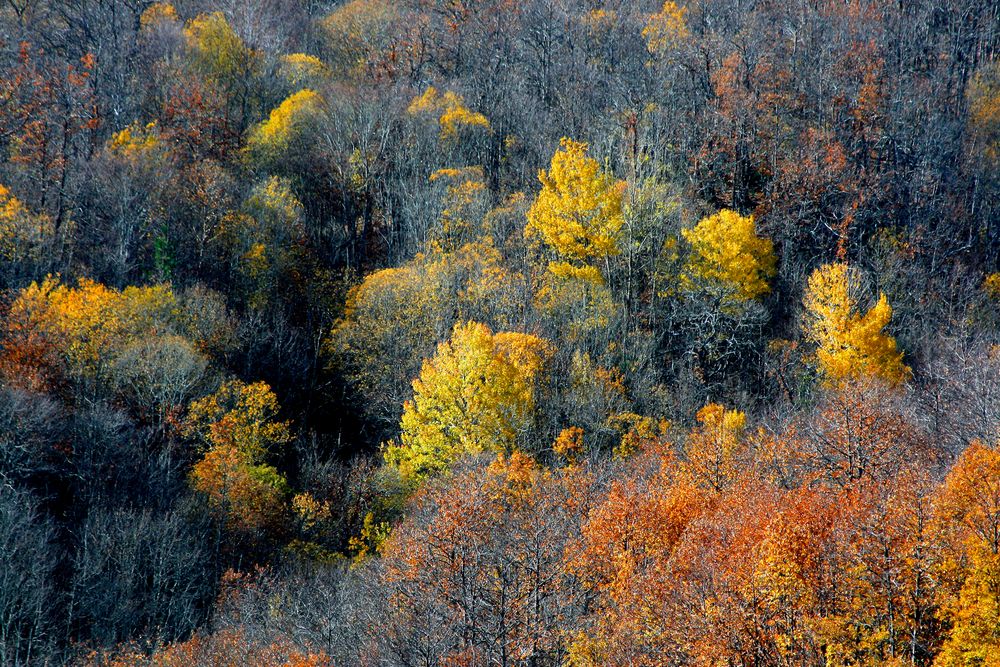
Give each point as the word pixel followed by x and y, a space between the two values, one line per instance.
pixel 500 332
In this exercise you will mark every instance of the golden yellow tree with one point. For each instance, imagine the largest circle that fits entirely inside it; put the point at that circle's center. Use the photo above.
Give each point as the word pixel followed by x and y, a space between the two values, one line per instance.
pixel 287 124
pixel 849 344
pixel 968 514
pixel 451 111
pixel 667 28
pixel 476 394
pixel 238 425
pixel 578 212
pixel 728 256
pixel 713 448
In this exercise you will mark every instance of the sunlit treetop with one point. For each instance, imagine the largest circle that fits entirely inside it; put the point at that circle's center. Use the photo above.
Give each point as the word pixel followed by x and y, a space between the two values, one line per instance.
pixel 578 212
pixel 667 28
pixel 727 255
pixel 157 14
pixel 302 69
pixel 450 109
pixel 217 51
pixel 476 394
pixel 286 124
pixel 240 416
pixel 849 344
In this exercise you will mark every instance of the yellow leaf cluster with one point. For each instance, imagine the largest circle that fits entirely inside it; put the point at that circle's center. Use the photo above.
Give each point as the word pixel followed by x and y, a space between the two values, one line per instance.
pixel 135 141
pixel 464 201
pixel 728 255
pixel 667 28
pixel 22 234
pixel 240 416
pixel 91 322
pixel 450 109
pixel 156 14
pixel 849 344
pixel 984 108
pixel 302 69
pixel 286 124
pixel 395 316
pixel 476 394
pixel 968 505
pixel 991 285
pixel 578 212
pixel 217 51
pixel 712 447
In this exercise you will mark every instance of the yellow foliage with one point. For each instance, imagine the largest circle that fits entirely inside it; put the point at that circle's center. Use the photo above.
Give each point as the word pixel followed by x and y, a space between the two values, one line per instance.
pixel 239 416
pixel 286 124
pixel 396 316
pixel 578 212
pixel 849 344
pixel 310 511
pixel 251 496
pixel 476 394
pixel 984 108
pixel 369 542
pixel 157 13
pixel 451 111
pixel 302 69
pixel 728 255
pixel 464 201
pixel 968 504
pixel 22 234
pixel 135 141
pixel 713 446
pixel 217 51
pixel 91 322
pixel 569 443
pixel 991 285
pixel 667 28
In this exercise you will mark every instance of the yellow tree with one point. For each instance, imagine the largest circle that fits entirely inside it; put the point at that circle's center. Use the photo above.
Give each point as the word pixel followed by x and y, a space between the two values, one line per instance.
pixel 578 212
pixel 666 29
pixel 714 447
pixel 241 416
pixel 968 510
pixel 728 256
pixel 849 344
pixel 451 111
pixel 237 423
pixel 476 394
pixel 286 126
pixel 218 52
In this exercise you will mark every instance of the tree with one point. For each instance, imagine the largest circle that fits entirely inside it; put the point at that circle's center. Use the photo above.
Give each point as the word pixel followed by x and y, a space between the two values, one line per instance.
pixel 238 424
pixel 476 394
pixel 578 212
pixel 849 344
pixel 451 112
pixel 284 135
pixel 475 574
pixel 968 508
pixel 728 258
pixel 714 448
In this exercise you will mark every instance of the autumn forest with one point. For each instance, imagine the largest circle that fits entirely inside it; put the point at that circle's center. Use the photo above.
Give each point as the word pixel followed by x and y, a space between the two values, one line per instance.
pixel 500 333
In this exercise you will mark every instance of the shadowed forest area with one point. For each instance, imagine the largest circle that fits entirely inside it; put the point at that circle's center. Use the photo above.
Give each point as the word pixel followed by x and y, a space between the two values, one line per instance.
pixel 536 333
